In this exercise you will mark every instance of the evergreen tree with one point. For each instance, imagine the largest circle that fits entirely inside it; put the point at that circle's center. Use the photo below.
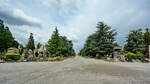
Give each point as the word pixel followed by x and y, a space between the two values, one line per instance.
pixel 100 43
pixel 147 40
pixel 2 39
pixel 39 45
pixel 147 37
pixel 6 38
pixel 9 40
pixel 21 49
pixel 116 44
pixel 135 42
pixel 60 45
pixel 30 44
pixel 53 43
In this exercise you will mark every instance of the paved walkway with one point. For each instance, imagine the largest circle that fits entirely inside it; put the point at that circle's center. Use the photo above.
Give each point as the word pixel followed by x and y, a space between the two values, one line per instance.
pixel 77 70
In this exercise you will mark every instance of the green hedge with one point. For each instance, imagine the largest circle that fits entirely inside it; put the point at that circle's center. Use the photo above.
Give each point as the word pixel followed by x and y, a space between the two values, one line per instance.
pixel 14 57
pixel 131 56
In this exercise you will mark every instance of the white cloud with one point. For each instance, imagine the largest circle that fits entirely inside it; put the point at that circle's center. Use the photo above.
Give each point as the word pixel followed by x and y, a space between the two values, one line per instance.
pixel 18 17
pixel 18 13
pixel 63 6
pixel 123 17
pixel 22 33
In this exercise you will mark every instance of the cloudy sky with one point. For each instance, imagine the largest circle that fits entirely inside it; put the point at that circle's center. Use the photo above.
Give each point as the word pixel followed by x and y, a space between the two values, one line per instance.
pixel 75 19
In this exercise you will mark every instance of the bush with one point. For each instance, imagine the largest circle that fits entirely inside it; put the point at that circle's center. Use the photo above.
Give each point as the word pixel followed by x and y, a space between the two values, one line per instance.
pixel 14 57
pixel 1 56
pixel 131 56
pixel 32 58
pixel 58 58
pixel 139 55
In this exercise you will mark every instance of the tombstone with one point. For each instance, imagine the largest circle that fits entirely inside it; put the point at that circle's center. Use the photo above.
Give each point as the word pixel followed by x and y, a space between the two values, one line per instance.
pixel 118 53
pixel 30 52
pixel 13 51
pixel 42 51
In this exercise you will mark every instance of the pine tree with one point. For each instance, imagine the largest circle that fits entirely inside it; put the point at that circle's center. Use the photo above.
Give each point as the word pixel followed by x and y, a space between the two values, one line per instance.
pixel 100 43
pixel 60 45
pixel 147 37
pixel 6 38
pixel 147 41
pixel 135 42
pixel 30 44
pixel 39 45
pixel 2 39
pixel 9 40
pixel 53 43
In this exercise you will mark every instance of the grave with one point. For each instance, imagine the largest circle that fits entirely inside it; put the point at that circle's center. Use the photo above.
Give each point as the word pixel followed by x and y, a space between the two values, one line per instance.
pixel 118 53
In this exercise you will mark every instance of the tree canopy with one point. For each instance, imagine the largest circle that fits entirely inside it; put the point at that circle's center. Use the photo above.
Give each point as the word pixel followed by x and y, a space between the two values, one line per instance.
pixel 147 37
pixel 6 38
pixel 60 45
pixel 30 44
pixel 135 42
pixel 101 42
pixel 39 45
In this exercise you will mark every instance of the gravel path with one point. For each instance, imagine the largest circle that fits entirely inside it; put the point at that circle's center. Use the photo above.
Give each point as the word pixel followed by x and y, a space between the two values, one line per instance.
pixel 77 70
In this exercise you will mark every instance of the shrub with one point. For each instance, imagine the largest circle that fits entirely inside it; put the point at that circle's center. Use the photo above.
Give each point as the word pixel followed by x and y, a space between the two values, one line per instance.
pixel 1 56
pixel 131 56
pixel 98 56
pixel 139 55
pixel 32 58
pixel 14 57
pixel 58 58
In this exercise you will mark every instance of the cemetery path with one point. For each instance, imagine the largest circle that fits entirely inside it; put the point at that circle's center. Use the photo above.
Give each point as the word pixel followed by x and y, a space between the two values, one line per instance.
pixel 77 70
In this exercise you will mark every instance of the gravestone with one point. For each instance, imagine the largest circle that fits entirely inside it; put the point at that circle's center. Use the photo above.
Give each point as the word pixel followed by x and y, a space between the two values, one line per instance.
pixel 118 53
pixel 30 52
pixel 42 51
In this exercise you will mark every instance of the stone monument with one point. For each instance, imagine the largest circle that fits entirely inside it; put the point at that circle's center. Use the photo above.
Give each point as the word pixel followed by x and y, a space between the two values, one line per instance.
pixel 118 53
pixel 30 52
pixel 42 51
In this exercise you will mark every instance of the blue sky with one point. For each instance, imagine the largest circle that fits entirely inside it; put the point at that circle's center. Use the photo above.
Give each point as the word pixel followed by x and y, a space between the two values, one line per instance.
pixel 75 19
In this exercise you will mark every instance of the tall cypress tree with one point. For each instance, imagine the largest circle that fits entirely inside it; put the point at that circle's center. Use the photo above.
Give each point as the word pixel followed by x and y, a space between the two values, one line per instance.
pixel 30 44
